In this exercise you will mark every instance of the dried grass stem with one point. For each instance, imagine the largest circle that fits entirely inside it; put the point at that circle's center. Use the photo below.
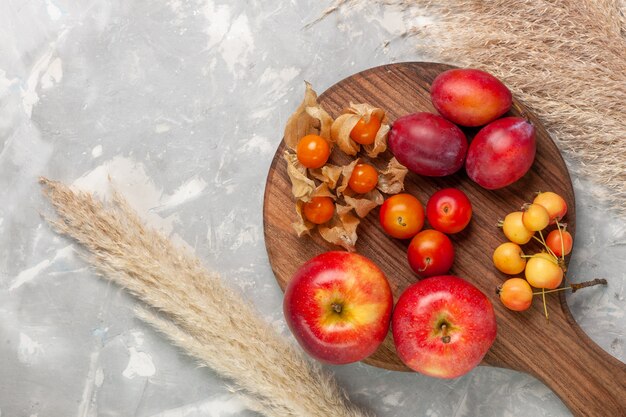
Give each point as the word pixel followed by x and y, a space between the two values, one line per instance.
pixel 565 59
pixel 196 311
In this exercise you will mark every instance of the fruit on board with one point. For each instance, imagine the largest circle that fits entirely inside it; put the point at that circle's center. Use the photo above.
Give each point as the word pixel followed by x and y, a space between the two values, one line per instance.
pixel 543 271
pixel 428 144
pixel 443 326
pixel 501 152
pixel 313 151
pixel 363 179
pixel 554 203
pixel 516 294
pixel 509 258
pixel 430 253
pixel 364 132
pixel 338 306
pixel 535 217
pixel 560 242
pixel 319 210
pixel 470 97
pixel 514 229
pixel 401 216
pixel 449 210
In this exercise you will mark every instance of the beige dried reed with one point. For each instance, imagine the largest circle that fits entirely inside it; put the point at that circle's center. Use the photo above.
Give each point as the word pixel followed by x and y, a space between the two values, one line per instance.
pixel 565 59
pixel 195 310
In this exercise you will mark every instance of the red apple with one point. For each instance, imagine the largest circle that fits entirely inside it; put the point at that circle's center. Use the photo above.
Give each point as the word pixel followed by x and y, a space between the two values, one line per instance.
pixel 443 326
pixel 338 306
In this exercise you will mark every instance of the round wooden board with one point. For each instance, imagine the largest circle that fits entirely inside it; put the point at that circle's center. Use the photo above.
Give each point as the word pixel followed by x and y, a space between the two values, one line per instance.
pixel 525 340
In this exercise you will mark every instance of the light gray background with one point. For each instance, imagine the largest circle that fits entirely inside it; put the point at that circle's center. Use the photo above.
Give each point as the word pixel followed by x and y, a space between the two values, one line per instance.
pixel 183 103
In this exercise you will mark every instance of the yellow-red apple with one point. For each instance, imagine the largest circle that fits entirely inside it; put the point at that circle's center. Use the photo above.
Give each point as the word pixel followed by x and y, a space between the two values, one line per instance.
pixel 338 306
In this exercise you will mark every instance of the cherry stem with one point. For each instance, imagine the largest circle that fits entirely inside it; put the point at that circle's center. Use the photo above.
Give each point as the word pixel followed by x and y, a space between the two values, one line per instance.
pixel 401 221
pixel 535 255
pixel 544 245
pixel 445 338
pixel 558 226
pixel 576 287
pixel 545 306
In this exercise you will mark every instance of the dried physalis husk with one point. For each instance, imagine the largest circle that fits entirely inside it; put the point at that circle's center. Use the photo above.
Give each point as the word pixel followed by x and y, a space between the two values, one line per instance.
pixel 380 143
pixel 341 230
pixel 301 185
pixel 328 174
pixel 340 132
pixel 308 119
pixel 391 179
pixel 343 125
pixel 364 203
pixel 302 225
pixel 346 173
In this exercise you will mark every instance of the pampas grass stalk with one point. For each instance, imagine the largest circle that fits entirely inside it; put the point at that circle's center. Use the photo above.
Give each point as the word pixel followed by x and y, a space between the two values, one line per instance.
pixel 565 59
pixel 195 310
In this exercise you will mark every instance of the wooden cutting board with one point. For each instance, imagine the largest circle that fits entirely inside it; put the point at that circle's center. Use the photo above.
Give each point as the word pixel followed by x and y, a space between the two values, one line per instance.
pixel 588 380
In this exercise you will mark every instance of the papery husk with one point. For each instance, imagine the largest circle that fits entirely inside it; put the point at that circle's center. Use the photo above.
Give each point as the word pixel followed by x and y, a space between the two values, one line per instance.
pixel 302 226
pixel 341 230
pixel 343 125
pixel 346 173
pixel 301 185
pixel 323 190
pixel 324 120
pixel 340 133
pixel 391 180
pixel 308 119
pixel 380 142
pixel 328 174
pixel 364 203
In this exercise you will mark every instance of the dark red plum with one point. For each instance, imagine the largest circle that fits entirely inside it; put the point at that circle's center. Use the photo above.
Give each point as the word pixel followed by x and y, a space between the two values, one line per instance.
pixel 428 144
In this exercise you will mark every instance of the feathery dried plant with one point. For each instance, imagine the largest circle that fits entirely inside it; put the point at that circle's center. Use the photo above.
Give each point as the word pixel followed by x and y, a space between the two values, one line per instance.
pixel 195 310
pixel 565 59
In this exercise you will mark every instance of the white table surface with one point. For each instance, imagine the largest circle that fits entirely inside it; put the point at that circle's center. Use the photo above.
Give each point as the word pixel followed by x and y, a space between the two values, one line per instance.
pixel 183 103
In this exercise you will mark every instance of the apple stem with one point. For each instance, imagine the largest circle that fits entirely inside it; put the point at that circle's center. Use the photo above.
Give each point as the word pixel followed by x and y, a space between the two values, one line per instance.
pixel 444 330
pixel 337 307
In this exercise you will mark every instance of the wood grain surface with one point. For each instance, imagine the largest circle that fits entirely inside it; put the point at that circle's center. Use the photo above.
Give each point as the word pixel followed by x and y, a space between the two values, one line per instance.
pixel 588 380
